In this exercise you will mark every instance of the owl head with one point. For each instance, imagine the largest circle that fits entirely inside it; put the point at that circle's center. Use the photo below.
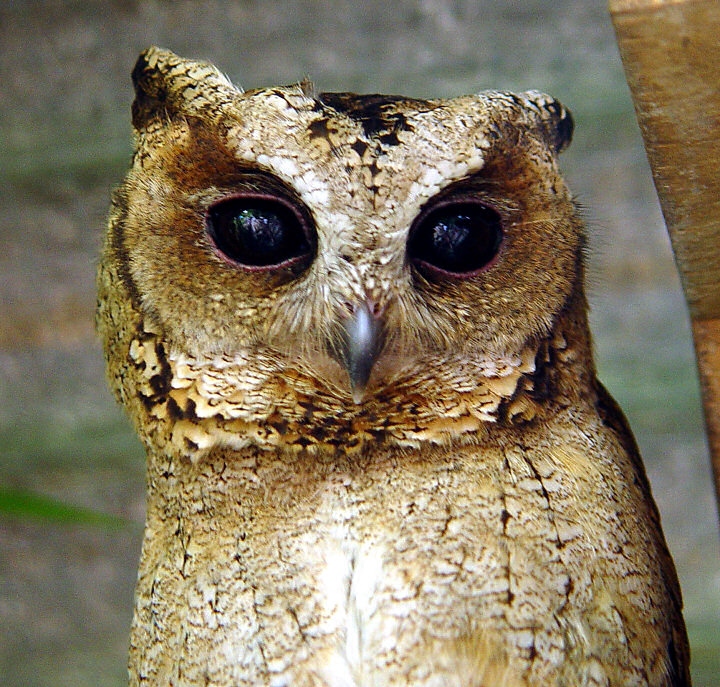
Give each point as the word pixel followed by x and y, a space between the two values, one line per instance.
pixel 354 253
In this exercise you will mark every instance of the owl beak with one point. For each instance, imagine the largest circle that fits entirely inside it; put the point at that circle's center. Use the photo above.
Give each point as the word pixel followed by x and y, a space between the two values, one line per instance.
pixel 359 347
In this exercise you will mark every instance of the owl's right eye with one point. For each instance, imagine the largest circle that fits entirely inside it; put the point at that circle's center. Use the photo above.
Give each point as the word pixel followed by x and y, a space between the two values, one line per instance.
pixel 260 232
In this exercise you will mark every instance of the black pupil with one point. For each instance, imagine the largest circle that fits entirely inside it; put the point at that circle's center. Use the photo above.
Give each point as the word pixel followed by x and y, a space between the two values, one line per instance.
pixel 459 239
pixel 257 232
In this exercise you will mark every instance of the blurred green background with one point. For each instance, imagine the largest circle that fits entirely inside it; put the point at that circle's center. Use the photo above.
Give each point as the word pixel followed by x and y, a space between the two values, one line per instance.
pixel 71 470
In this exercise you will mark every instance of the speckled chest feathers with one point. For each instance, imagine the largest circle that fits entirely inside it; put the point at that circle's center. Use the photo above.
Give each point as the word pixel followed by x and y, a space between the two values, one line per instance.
pixel 351 332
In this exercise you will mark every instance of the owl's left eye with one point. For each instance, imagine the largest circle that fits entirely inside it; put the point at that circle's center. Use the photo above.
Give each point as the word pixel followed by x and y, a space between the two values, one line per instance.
pixel 260 232
pixel 456 238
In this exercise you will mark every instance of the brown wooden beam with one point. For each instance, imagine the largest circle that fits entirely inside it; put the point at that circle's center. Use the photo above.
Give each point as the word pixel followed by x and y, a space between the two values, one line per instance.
pixel 671 54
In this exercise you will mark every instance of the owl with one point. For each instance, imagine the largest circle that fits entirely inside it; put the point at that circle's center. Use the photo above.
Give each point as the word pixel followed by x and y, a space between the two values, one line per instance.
pixel 351 332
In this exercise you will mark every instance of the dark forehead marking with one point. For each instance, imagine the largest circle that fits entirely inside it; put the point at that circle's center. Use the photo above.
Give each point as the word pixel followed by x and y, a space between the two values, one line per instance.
pixel 381 116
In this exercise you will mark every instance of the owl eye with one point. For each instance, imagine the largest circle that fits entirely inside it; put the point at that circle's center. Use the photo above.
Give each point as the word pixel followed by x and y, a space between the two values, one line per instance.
pixel 455 238
pixel 260 232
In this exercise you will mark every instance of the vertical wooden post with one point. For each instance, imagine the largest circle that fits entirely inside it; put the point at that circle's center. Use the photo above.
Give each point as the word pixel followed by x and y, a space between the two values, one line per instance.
pixel 671 53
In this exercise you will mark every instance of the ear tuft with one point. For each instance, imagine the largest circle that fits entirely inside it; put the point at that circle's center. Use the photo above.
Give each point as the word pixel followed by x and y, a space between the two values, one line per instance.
pixel 150 88
pixel 554 121
pixel 167 84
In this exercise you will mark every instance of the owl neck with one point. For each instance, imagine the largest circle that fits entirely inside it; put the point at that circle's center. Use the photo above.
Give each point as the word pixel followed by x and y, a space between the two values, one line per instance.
pixel 191 407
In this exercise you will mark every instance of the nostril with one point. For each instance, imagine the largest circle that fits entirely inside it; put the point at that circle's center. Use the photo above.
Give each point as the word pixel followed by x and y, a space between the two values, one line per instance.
pixel 371 307
pixel 376 310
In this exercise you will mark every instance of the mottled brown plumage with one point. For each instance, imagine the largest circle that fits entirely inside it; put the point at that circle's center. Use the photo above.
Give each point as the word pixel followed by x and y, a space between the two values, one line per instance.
pixel 467 507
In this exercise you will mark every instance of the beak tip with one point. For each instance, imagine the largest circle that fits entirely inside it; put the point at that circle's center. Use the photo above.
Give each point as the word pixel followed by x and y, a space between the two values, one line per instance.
pixel 359 377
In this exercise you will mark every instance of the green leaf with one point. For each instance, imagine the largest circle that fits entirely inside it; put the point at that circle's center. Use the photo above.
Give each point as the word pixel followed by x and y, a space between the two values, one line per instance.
pixel 21 503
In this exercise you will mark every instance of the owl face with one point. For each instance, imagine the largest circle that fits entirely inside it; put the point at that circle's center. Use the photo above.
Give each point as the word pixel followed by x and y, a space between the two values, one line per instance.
pixel 352 236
